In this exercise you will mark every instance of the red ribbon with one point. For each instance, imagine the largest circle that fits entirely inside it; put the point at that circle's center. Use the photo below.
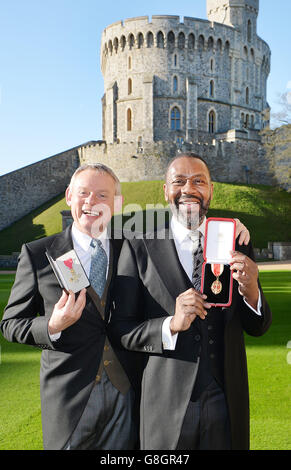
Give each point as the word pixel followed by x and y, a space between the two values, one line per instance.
pixel 217 269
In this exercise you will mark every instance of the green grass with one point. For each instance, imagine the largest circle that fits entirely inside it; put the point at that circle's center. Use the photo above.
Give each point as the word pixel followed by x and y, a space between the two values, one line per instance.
pixel 269 378
pixel 265 210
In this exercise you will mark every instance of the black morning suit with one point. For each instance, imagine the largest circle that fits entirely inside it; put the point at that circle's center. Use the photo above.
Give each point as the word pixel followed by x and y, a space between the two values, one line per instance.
pixel 70 365
pixel 149 279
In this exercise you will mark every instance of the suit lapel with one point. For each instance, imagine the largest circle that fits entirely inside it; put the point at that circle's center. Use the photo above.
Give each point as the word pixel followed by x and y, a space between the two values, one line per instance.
pixel 62 243
pixel 163 254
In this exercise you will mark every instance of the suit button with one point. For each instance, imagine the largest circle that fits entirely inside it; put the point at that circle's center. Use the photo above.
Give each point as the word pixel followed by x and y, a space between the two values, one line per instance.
pixel 106 348
pixel 197 337
pixel 106 363
pixel 102 303
pixel 98 377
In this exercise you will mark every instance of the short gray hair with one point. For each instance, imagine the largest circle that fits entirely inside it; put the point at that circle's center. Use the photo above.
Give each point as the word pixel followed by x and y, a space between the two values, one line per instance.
pixel 100 168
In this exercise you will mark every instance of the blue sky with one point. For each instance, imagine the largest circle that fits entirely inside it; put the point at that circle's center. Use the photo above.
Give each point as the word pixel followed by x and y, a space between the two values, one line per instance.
pixel 50 79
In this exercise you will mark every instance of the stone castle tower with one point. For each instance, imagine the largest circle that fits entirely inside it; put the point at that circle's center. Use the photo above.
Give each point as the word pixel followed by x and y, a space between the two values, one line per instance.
pixel 170 85
pixel 185 82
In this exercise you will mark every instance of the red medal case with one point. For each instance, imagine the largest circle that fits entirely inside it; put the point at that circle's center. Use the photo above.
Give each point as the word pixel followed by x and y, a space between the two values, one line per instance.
pixel 218 242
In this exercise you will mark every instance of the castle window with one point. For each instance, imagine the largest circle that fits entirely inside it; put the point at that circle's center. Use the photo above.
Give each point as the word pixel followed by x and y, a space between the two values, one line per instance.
pixel 171 40
pixel 175 119
pixel 219 45
pixel 191 41
pixel 211 122
pixel 129 119
pixel 131 41
pixel 175 84
pixel 249 30
pixel 129 86
pixel 211 89
pixel 210 43
pixel 115 44
pixel 160 40
pixel 129 63
pixel 150 39
pixel 211 65
pixel 247 95
pixel 140 40
pixel 175 60
pixel 181 40
pixel 122 42
pixel 201 43
pixel 110 47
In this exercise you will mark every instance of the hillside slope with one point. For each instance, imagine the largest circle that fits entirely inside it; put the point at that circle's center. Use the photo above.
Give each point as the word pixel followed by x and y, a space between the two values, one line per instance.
pixel 265 210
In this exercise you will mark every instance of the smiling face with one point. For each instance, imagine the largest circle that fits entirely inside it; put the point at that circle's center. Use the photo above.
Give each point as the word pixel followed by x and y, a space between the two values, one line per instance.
pixel 188 190
pixel 91 196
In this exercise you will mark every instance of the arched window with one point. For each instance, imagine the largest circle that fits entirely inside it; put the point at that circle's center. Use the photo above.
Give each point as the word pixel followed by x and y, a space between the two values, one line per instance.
pixel 211 89
pixel 175 119
pixel 131 41
pixel 129 63
pixel 171 40
pixel 122 42
pixel 140 40
pixel 211 65
pixel 247 95
pixel 160 40
pixel 150 39
pixel 175 84
pixel 129 120
pixel 249 30
pixel 181 40
pixel 211 122
pixel 191 41
pixel 129 86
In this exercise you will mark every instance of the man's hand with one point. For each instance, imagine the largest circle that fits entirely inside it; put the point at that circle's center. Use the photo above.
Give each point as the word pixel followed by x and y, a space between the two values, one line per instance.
pixel 245 271
pixel 243 232
pixel 66 311
pixel 189 305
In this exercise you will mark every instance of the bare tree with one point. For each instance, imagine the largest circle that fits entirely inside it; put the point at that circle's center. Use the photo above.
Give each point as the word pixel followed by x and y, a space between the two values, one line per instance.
pixel 283 116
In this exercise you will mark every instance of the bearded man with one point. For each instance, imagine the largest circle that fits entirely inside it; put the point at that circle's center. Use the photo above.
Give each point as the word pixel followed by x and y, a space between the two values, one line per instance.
pixel 194 387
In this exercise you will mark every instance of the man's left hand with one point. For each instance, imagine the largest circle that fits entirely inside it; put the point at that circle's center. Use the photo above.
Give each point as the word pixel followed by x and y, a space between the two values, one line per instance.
pixel 242 232
pixel 245 271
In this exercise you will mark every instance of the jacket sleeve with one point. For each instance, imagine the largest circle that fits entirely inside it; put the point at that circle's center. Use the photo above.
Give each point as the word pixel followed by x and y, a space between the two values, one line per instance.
pixel 23 320
pixel 128 324
pixel 254 324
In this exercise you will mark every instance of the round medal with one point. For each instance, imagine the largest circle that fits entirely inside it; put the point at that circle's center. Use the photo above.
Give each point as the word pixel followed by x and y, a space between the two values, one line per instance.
pixel 216 287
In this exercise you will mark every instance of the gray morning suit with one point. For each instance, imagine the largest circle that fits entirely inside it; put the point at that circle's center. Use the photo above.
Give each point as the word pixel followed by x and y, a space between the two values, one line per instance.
pixel 149 279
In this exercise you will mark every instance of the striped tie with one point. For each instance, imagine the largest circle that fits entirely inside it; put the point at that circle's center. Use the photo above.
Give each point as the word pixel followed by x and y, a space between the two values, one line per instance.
pixel 197 257
pixel 97 276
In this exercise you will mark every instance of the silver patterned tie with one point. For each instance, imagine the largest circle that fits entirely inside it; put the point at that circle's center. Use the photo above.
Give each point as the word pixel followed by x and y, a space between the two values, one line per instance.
pixel 197 257
pixel 97 276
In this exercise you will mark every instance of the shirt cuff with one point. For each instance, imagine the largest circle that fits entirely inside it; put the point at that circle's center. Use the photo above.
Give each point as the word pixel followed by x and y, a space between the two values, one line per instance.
pixel 168 340
pixel 55 336
pixel 259 305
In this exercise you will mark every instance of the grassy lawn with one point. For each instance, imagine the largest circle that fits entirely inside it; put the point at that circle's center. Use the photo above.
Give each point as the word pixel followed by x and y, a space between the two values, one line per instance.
pixel 269 378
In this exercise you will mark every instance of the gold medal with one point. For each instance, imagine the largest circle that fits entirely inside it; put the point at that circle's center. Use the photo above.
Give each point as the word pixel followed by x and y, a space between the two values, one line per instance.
pixel 217 270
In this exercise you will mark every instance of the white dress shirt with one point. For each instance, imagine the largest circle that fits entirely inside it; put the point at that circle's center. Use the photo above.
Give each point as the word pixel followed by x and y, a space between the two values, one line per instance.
pixel 81 244
pixel 184 247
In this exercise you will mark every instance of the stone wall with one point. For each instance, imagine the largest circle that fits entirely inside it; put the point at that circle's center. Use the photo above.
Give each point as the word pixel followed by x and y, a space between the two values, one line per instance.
pixel 25 189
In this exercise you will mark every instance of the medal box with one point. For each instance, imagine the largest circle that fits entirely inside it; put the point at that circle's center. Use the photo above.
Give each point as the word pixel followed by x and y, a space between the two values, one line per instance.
pixel 216 277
